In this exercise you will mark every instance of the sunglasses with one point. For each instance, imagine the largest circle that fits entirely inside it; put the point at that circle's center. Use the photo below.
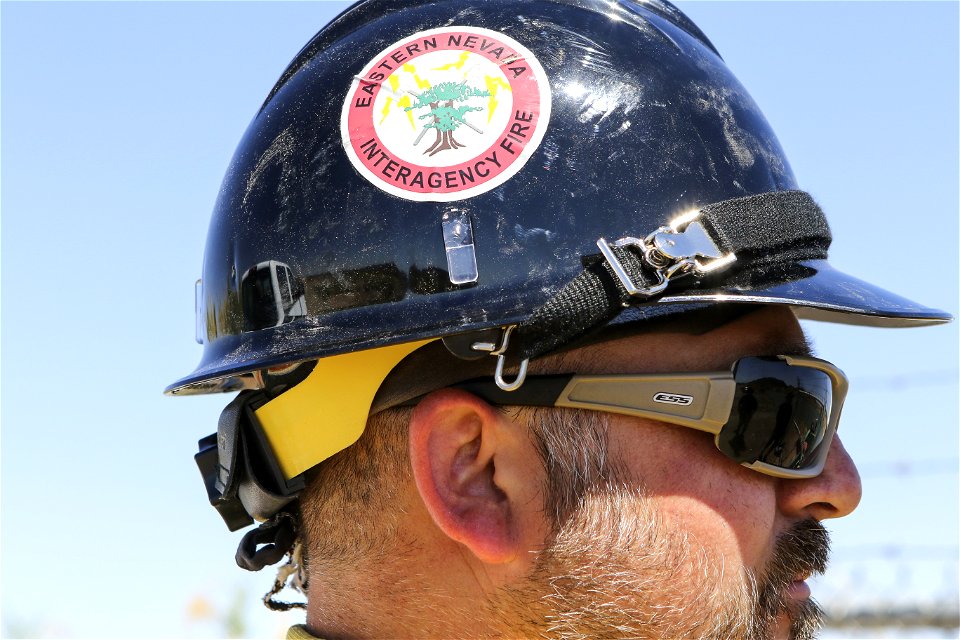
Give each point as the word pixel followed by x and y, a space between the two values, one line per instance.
pixel 776 415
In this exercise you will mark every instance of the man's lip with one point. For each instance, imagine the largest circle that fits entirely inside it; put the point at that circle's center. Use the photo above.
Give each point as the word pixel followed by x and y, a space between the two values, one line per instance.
pixel 798 589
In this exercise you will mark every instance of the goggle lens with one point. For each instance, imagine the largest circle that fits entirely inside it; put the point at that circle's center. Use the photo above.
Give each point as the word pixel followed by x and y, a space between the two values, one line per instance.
pixel 780 414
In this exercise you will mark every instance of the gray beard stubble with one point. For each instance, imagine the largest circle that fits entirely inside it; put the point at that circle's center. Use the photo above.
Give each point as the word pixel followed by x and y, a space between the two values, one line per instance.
pixel 612 572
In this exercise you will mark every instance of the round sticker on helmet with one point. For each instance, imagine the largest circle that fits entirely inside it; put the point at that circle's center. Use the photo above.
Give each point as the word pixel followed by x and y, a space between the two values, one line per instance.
pixel 446 114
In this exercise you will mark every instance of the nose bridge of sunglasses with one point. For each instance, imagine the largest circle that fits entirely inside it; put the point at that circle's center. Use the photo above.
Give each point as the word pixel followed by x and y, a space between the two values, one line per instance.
pixel 697 400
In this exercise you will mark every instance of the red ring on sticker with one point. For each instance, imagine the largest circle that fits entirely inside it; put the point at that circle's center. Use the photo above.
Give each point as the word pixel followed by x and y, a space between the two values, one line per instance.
pixel 446 114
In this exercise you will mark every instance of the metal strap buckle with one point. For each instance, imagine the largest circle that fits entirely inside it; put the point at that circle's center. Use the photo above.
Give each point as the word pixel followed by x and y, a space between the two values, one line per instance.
pixel 682 248
pixel 500 352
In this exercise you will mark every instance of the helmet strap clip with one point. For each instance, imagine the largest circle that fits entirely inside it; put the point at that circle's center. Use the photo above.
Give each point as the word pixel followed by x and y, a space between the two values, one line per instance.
pixel 500 352
pixel 682 248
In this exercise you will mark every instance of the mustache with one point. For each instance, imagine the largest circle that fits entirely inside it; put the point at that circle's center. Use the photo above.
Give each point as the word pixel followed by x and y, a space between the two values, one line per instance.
pixel 803 549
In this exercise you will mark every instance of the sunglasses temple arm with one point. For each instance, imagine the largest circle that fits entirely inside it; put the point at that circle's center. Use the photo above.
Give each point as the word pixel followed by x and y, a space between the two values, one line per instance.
pixel 700 401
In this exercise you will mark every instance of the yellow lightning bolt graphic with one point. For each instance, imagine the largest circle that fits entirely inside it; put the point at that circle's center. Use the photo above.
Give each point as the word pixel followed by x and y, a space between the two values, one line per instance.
pixel 412 70
pixel 493 85
pixel 395 85
pixel 405 102
pixel 455 65
pixel 386 109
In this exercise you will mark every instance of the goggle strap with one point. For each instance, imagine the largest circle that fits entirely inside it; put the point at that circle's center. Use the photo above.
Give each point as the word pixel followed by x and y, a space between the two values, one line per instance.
pixel 769 227
pixel 775 226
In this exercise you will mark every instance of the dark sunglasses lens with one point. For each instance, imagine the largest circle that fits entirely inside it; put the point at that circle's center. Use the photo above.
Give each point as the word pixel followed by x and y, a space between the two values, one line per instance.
pixel 780 414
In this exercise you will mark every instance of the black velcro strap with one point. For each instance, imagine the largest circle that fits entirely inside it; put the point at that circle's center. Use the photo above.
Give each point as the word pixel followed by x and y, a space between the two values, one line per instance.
pixel 593 298
pixel 780 226
pixel 770 227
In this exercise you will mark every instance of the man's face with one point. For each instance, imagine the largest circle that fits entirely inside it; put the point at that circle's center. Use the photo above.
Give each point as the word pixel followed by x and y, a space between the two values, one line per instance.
pixel 678 540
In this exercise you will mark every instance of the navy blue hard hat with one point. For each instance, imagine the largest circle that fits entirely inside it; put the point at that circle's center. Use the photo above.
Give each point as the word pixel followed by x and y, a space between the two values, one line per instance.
pixel 424 169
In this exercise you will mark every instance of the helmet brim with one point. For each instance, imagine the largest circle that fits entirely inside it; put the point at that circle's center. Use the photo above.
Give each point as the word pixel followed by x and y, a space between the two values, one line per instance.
pixel 813 289
pixel 817 291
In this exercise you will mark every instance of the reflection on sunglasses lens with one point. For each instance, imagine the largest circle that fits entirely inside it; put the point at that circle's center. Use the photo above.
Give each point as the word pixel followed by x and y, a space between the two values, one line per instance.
pixel 780 414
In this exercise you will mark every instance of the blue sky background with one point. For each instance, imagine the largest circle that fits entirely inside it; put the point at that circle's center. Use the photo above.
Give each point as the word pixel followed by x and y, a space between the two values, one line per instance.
pixel 118 121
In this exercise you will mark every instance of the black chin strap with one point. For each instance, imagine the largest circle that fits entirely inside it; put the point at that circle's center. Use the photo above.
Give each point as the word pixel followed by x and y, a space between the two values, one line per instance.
pixel 781 226
pixel 277 535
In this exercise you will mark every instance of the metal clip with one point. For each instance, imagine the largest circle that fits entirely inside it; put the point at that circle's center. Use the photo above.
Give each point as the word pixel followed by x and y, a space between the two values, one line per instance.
pixel 500 352
pixel 685 241
pixel 672 251
pixel 632 289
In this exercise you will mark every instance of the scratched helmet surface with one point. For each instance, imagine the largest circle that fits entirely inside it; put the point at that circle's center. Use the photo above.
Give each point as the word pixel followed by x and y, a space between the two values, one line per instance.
pixel 427 168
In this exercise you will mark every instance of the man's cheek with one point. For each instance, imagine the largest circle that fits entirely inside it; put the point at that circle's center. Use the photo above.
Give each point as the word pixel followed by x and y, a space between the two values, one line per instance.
pixel 704 526
pixel 735 537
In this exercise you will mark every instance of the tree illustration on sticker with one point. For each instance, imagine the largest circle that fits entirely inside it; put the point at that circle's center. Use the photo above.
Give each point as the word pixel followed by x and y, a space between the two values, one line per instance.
pixel 444 117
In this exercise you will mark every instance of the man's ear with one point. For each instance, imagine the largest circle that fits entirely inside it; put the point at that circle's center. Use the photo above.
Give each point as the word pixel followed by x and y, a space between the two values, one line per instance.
pixel 465 458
